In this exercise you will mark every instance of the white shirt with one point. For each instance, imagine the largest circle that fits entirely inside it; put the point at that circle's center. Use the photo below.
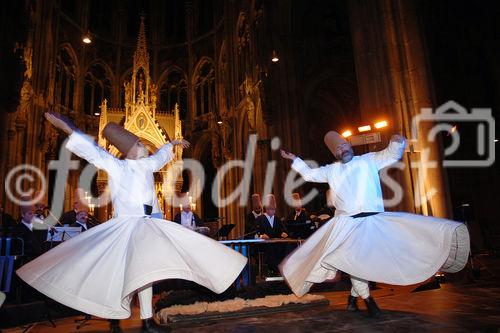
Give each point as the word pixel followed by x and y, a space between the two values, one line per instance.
pixel 356 184
pixel 270 219
pixel 255 214
pixel 187 219
pixel 84 225
pixel 28 225
pixel 131 182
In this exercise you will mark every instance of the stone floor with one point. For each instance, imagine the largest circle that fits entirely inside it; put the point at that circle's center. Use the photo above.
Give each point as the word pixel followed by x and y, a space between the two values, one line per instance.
pixel 472 306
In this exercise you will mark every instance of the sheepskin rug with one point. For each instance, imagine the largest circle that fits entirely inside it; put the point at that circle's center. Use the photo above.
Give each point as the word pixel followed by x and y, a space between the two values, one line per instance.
pixel 234 305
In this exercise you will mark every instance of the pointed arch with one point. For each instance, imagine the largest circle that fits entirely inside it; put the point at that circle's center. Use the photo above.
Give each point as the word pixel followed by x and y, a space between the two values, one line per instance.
pixel 203 60
pixel 203 82
pixel 66 72
pixel 173 90
pixel 107 68
pixel 170 69
pixel 223 79
pixel 98 83
pixel 68 48
pixel 243 47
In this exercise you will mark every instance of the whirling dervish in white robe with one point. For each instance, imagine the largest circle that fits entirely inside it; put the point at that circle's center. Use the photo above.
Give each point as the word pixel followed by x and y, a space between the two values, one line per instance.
pixel 98 271
pixel 363 240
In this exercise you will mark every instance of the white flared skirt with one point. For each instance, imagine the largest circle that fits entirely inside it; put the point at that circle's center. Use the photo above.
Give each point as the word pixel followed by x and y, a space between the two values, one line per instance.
pixel 98 271
pixel 393 248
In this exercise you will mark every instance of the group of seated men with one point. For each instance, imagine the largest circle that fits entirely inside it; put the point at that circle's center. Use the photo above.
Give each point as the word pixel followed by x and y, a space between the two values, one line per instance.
pixel 261 217
pixel 262 222
pixel 31 228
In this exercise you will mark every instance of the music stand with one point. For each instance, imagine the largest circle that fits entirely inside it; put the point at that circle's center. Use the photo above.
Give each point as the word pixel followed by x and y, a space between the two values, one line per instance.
pixel 224 231
pixel 62 233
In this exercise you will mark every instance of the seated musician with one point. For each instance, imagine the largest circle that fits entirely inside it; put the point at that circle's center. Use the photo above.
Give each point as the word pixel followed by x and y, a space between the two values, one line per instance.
pixel 186 216
pixel 297 220
pixel 298 214
pixel 269 226
pixel 69 217
pixel 33 247
pixel 250 220
pixel 82 219
pixel 24 230
pixel 7 222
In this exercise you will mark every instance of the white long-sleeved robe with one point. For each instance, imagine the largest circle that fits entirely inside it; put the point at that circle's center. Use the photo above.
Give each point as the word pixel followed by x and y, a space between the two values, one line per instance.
pixel 389 247
pixel 356 184
pixel 98 271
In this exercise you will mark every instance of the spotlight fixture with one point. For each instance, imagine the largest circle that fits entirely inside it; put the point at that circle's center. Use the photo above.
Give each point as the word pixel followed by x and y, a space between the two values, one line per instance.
pixel 380 124
pixel 365 128
pixel 346 134
pixel 219 122
pixel 86 38
pixel 97 114
pixel 274 57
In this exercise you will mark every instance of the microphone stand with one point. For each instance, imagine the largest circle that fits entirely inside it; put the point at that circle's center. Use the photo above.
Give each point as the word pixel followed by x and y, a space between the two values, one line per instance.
pixel 55 218
pixel 51 229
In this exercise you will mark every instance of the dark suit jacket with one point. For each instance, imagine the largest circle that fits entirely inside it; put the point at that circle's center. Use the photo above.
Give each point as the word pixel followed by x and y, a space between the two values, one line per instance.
pixel 32 245
pixel 264 227
pixel 68 217
pixel 6 224
pixel 76 224
pixel 326 210
pixel 196 218
pixel 250 225
pixel 302 218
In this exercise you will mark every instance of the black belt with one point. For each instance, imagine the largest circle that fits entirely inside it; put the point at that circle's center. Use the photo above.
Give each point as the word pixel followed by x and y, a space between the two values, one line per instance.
pixel 364 214
pixel 148 209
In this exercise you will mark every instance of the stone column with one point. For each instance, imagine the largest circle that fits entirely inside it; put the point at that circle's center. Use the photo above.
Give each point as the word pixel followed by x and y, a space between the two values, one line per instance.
pixel 394 82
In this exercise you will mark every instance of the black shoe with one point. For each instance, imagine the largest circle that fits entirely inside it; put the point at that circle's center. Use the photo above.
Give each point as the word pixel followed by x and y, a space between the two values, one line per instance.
pixel 149 326
pixel 352 304
pixel 372 307
pixel 114 326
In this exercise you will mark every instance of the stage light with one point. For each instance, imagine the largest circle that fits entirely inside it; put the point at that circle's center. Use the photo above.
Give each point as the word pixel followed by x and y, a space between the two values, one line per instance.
pixel 275 57
pixel 219 122
pixel 381 124
pixel 97 114
pixel 86 38
pixel 365 128
pixel 346 134
pixel 496 140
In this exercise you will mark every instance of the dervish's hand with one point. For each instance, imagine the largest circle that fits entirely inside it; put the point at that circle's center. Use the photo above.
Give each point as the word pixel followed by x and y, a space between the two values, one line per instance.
pixel 60 122
pixel 184 143
pixel 284 235
pixel 398 138
pixel 287 155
